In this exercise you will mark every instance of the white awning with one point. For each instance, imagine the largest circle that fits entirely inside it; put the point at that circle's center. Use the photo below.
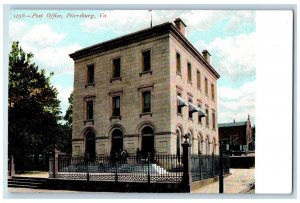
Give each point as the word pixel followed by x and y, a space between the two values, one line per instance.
pixel 201 112
pixel 193 108
pixel 181 101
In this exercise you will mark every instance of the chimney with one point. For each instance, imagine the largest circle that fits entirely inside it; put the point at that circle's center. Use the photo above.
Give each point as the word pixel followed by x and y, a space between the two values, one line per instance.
pixel 233 120
pixel 206 55
pixel 180 25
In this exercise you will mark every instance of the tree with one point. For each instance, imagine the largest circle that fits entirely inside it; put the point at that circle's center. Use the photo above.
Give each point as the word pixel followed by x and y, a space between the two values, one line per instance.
pixel 69 112
pixel 34 110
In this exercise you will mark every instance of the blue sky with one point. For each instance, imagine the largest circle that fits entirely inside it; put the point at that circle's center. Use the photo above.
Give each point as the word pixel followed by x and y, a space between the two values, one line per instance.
pixel 228 35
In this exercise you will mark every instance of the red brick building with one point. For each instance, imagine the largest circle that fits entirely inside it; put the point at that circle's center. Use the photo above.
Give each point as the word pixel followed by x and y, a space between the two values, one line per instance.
pixel 236 134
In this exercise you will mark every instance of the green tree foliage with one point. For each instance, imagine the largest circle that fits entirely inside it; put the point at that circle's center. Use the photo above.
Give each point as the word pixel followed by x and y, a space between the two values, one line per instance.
pixel 34 110
pixel 69 112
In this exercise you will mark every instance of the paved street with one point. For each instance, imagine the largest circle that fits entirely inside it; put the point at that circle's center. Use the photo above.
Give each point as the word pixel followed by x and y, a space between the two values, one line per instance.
pixel 235 183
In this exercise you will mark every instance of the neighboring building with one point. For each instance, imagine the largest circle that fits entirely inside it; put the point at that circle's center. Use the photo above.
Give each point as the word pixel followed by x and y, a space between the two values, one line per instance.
pixel 236 134
pixel 143 90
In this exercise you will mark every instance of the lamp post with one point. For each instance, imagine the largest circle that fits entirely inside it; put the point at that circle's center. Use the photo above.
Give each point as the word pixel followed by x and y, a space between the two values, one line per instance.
pixel 221 180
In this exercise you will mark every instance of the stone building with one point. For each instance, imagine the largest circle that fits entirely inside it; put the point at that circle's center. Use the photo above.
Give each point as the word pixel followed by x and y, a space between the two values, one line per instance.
pixel 237 135
pixel 144 90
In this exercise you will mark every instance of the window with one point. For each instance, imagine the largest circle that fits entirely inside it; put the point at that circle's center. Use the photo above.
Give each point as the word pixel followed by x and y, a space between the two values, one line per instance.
pixel 189 67
pixel 89 110
pixel 146 96
pixel 199 115
pixel 178 63
pixel 213 120
pixel 190 112
pixel 198 80
pixel 90 74
pixel 179 108
pixel 116 106
pixel 116 68
pixel 146 60
pixel 212 92
pixel 207 118
pixel 206 87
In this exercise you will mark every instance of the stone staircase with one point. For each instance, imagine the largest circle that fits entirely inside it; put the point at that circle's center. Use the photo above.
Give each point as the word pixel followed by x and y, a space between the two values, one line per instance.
pixel 26 182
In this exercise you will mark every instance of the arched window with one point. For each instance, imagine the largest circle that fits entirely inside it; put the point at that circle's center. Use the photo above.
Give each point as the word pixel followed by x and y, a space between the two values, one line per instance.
pixel 147 140
pixel 207 145
pixel 116 141
pixel 214 146
pixel 200 144
pixel 90 146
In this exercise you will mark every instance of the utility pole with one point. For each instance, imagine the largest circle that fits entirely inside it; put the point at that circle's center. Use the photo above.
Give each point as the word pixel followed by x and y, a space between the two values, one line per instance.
pixel 151 17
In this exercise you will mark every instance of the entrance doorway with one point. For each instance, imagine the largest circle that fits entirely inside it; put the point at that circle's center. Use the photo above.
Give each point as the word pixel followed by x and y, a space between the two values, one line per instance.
pixel 116 142
pixel 147 141
pixel 90 149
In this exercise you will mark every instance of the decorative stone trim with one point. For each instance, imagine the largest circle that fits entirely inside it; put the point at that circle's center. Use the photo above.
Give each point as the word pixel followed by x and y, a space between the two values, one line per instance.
pixel 145 113
pixel 146 72
pixel 90 84
pixel 115 117
pixel 114 79
pixel 89 121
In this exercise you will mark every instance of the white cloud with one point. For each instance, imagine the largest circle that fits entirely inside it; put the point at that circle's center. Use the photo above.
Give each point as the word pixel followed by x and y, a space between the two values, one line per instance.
pixel 196 20
pixel 43 36
pixel 239 18
pixel 43 42
pixel 233 57
pixel 236 103
pixel 118 21
pixel 63 95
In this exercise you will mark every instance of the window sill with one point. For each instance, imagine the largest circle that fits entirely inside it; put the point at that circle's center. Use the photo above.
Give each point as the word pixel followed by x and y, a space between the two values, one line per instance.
pixel 116 78
pixel 179 115
pixel 90 84
pixel 115 117
pixel 146 72
pixel 89 121
pixel 145 113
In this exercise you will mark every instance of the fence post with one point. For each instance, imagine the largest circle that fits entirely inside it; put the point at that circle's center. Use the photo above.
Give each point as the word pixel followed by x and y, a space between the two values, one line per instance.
pixel 212 165
pixel 187 174
pixel 116 160
pixel 55 162
pixel 87 167
pixel 221 181
pixel 11 166
pixel 148 162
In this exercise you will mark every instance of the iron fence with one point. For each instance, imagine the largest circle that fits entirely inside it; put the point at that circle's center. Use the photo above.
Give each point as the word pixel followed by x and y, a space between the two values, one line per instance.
pixel 133 168
pixel 207 166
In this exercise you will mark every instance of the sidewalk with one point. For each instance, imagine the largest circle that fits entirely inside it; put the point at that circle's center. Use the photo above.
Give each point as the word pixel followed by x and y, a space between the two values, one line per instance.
pixel 233 184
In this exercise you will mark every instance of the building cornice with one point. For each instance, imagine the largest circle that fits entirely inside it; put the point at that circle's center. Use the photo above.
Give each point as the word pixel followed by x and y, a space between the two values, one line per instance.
pixel 141 36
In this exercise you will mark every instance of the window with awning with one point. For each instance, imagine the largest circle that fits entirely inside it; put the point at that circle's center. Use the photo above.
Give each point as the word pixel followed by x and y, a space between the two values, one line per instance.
pixel 181 102
pixel 193 109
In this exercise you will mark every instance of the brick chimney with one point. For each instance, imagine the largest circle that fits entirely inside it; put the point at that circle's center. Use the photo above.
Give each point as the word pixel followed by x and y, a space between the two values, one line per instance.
pixel 206 55
pixel 180 25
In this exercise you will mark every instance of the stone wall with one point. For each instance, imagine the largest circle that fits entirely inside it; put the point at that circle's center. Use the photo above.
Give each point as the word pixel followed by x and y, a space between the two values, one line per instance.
pixel 129 88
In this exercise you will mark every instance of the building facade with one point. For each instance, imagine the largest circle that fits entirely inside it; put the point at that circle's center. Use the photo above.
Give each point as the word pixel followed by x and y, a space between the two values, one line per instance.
pixel 237 135
pixel 144 91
